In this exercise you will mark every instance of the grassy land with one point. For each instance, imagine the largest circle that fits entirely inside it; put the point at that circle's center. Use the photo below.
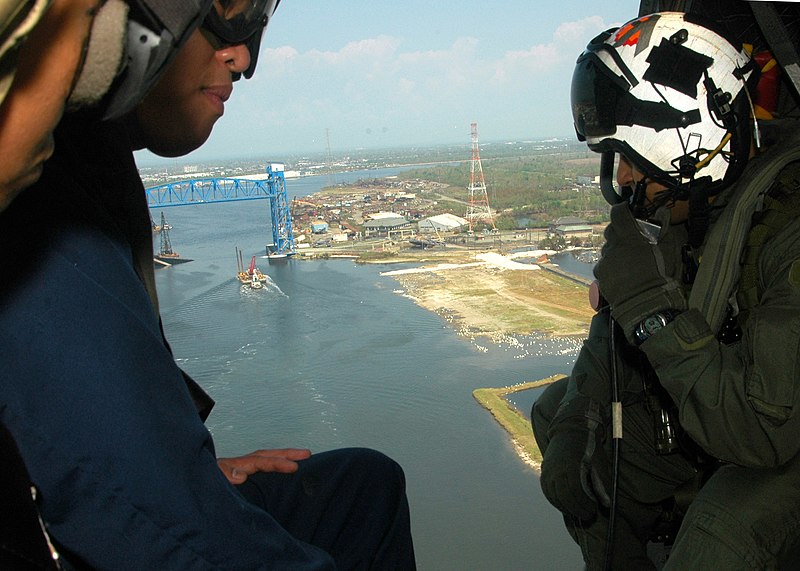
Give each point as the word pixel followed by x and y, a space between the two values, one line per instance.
pixel 513 421
pixel 505 302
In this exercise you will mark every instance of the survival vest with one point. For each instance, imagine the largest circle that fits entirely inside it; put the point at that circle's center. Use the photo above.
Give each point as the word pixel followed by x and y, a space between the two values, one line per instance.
pixel 760 203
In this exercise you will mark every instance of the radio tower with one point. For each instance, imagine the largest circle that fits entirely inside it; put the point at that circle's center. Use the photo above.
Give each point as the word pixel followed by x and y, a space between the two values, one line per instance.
pixel 478 206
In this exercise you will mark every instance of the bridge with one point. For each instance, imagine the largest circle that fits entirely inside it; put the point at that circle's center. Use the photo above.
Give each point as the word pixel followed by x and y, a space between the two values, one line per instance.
pixel 212 190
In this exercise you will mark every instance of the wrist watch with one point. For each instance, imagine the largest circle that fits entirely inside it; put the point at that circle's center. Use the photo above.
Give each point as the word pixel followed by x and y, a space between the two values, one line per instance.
pixel 653 323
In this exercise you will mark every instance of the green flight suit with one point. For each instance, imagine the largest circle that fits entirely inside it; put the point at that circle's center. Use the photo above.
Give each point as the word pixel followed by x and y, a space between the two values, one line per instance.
pixel 739 403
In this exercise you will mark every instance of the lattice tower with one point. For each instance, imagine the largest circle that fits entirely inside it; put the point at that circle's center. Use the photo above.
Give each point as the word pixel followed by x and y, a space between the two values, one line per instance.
pixel 478 205
pixel 331 176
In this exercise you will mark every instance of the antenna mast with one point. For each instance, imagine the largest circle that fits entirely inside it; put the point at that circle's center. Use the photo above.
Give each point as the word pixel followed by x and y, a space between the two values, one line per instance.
pixel 331 178
pixel 478 205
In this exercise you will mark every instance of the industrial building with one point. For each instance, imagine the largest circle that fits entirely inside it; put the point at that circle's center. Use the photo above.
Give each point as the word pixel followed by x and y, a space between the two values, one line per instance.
pixel 441 223
pixel 571 226
pixel 385 225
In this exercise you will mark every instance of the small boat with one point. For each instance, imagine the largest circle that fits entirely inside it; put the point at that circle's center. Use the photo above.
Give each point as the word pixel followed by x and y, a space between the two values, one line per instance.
pixel 250 276
pixel 255 283
pixel 166 256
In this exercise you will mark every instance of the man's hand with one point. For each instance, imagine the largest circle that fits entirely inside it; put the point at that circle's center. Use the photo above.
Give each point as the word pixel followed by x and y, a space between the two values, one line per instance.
pixel 283 460
pixel 638 277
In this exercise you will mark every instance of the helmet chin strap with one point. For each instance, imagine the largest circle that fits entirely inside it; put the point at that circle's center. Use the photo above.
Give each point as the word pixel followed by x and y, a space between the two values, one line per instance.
pixel 699 208
pixel 699 213
pixel 645 208
pixel 638 200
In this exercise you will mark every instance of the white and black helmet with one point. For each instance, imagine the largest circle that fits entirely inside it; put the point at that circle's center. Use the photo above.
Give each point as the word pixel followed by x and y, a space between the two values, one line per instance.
pixel 671 95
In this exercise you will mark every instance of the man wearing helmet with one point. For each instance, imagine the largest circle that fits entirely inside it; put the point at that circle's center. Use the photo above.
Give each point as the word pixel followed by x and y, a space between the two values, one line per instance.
pixel 682 408
pixel 109 426
pixel 57 55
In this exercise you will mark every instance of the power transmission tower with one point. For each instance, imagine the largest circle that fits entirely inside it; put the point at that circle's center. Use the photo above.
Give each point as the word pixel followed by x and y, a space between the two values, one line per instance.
pixel 478 205
pixel 331 177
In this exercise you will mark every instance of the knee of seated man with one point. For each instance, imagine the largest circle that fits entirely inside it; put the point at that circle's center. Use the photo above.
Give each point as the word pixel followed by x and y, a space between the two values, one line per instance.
pixel 368 465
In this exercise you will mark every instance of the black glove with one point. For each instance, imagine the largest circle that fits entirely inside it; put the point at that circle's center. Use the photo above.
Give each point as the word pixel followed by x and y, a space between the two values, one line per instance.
pixel 575 469
pixel 637 276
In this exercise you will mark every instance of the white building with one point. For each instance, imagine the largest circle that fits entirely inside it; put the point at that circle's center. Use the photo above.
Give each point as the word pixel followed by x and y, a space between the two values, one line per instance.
pixel 441 223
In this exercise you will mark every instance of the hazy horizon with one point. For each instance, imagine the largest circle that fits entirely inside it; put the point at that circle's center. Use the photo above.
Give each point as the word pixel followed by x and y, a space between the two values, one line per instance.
pixel 372 75
pixel 149 160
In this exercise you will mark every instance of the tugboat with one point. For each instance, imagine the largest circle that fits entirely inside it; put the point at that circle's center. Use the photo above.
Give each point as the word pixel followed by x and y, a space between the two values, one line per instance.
pixel 252 276
pixel 166 256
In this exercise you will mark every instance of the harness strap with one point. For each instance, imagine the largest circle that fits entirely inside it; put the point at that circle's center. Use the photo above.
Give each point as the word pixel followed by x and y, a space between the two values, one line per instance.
pixel 781 206
pixel 718 275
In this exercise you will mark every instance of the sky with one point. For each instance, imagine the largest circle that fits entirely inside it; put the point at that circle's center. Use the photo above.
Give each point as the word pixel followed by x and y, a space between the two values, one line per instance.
pixel 372 74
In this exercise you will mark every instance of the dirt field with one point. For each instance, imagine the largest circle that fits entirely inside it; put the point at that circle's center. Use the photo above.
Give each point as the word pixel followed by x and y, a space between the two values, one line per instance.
pixel 491 294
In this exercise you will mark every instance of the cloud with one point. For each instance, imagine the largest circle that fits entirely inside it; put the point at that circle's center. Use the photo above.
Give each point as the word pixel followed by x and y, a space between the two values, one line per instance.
pixel 396 94
pixel 568 39
pixel 381 65
pixel 358 52
pixel 570 32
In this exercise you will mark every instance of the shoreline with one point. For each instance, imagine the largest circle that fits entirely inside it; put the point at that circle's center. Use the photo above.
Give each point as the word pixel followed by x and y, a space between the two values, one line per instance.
pixel 512 420
pixel 493 296
pixel 488 294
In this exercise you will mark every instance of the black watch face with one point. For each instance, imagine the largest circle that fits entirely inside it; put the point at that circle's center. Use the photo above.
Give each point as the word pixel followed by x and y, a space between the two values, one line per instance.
pixel 652 324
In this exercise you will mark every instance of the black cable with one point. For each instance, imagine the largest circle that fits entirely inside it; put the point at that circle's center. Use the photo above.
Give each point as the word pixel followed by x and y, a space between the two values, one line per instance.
pixel 616 409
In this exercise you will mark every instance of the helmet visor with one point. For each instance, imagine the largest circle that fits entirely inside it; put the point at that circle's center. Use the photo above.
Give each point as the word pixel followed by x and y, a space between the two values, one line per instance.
pixel 593 97
pixel 233 22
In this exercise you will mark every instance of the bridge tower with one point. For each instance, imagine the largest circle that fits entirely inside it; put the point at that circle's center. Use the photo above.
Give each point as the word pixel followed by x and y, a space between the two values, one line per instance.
pixel 280 212
pixel 210 190
pixel 478 204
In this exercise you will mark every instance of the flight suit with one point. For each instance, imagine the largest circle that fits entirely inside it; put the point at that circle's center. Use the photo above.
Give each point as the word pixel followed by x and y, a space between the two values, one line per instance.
pixel 738 406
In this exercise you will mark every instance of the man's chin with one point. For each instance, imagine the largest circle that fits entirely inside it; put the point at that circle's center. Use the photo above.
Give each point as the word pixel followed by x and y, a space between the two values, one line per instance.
pixel 9 190
pixel 178 148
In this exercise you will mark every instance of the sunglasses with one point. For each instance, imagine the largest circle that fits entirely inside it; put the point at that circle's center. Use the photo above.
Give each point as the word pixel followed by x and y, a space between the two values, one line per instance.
pixel 233 22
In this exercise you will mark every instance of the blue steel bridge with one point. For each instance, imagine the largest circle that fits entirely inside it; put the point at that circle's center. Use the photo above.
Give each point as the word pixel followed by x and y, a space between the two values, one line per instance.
pixel 212 190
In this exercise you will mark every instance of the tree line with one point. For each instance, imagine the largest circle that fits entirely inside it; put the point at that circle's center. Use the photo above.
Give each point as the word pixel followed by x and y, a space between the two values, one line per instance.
pixel 531 190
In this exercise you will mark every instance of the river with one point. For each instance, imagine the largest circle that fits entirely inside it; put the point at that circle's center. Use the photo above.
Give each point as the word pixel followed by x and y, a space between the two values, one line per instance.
pixel 331 354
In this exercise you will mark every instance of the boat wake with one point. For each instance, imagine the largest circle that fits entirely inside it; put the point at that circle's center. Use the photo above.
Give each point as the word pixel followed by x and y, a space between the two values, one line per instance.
pixel 266 283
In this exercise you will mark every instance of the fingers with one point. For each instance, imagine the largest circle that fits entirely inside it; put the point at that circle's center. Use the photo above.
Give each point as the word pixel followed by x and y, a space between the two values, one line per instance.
pixel 282 460
pixel 288 453
pixel 234 475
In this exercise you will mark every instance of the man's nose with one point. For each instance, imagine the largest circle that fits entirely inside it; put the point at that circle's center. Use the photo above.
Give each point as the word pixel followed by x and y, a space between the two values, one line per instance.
pixel 236 57
pixel 624 172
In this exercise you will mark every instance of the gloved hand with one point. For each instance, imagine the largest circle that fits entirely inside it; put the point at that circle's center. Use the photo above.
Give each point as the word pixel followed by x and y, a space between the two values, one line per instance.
pixel 575 469
pixel 639 278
